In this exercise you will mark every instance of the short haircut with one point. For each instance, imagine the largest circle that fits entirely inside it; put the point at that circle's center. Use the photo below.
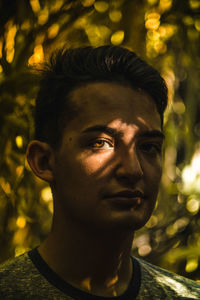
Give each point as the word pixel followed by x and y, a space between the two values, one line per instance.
pixel 71 68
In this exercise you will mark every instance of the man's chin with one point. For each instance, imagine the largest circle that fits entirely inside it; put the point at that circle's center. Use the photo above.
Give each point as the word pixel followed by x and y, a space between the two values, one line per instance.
pixel 133 217
pixel 125 223
pixel 131 225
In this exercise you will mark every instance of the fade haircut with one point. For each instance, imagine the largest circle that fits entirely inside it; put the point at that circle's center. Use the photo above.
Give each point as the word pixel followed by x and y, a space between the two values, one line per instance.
pixel 72 68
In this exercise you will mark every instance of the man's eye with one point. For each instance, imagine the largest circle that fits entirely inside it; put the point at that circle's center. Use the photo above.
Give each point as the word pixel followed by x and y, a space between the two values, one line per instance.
pixel 151 148
pixel 101 144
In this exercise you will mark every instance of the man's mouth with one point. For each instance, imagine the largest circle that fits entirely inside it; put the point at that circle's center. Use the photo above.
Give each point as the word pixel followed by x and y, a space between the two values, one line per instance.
pixel 127 198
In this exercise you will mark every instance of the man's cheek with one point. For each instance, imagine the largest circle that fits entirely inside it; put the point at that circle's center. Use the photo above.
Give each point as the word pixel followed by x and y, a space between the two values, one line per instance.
pixel 95 163
pixel 89 166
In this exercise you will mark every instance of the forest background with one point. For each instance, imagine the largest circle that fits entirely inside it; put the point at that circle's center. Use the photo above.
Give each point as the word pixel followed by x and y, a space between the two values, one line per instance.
pixel 166 33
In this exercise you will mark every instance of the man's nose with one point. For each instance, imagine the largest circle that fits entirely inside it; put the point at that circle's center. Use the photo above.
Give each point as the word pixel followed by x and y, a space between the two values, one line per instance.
pixel 129 166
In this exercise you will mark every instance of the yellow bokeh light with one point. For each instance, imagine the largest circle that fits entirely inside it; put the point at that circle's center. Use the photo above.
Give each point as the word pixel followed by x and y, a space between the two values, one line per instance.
pixel 97 34
pixel 46 194
pixel 193 205
pixel 38 55
pixel 192 264
pixel 191 174
pixel 56 5
pixel 144 250
pixel 117 37
pixel 196 162
pixel 19 170
pixel 53 31
pixel 10 40
pixel 167 31
pixel 152 222
pixel 188 175
pixel 194 4
pixel 150 52
pixel 162 31
pixel 115 15
pixel 21 99
pixel 153 35
pixel 155 45
pixel 80 22
pixel 19 141
pixel 21 222
pixel 104 31
pixel 152 15
pixel 5 185
pixel 179 107
pixel 188 20
pixel 35 5
pixel 43 16
pixel 181 223
pixel 160 47
pixel 101 6
pixel 93 34
pixel 87 3
pixel 197 24
pixel 165 5
pixel 171 230
pixel 26 25
pixel 10 55
pixel 152 24
pixel 1 69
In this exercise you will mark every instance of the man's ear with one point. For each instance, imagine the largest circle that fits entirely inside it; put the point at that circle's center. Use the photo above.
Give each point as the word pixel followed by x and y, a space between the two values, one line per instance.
pixel 40 157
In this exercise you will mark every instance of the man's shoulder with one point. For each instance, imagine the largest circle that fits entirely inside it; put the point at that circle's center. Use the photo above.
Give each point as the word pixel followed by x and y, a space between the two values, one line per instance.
pixel 20 279
pixel 15 273
pixel 15 266
pixel 158 280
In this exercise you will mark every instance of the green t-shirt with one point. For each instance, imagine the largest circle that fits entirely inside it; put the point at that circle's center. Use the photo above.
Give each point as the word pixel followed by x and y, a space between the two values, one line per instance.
pixel 29 277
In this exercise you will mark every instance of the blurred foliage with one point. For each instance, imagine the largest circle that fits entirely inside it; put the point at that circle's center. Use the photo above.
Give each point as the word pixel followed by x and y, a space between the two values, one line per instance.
pixel 164 32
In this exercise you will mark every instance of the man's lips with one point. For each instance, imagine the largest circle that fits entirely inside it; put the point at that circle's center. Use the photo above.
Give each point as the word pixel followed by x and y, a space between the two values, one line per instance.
pixel 127 198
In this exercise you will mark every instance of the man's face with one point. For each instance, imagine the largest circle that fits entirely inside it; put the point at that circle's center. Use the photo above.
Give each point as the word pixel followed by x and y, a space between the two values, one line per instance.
pixel 108 167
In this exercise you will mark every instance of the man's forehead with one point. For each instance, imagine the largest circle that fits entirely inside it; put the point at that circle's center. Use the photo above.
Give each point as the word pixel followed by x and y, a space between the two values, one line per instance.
pixel 109 100
pixel 108 93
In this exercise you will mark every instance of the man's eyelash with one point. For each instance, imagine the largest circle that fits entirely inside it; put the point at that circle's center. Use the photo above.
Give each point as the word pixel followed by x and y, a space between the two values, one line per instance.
pixel 100 141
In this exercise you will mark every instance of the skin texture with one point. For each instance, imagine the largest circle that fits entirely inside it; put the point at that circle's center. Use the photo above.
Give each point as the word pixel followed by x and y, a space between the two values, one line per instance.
pixel 90 242
pixel 91 165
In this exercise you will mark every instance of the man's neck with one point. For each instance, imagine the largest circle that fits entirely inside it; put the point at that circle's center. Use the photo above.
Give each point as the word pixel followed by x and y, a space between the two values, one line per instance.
pixel 98 263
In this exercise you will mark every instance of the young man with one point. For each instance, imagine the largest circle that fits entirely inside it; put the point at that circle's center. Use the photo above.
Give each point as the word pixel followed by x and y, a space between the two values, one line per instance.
pixel 98 143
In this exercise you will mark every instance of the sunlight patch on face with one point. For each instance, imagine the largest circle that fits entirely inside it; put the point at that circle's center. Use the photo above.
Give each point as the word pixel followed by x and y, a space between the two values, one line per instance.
pixel 97 166
pixel 142 121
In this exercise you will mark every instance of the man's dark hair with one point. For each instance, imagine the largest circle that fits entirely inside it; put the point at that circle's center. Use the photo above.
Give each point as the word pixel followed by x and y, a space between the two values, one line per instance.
pixel 72 68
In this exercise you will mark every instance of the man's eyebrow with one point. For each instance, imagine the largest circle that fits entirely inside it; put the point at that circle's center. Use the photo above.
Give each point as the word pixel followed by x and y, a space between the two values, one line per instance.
pixel 115 133
pixel 103 128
